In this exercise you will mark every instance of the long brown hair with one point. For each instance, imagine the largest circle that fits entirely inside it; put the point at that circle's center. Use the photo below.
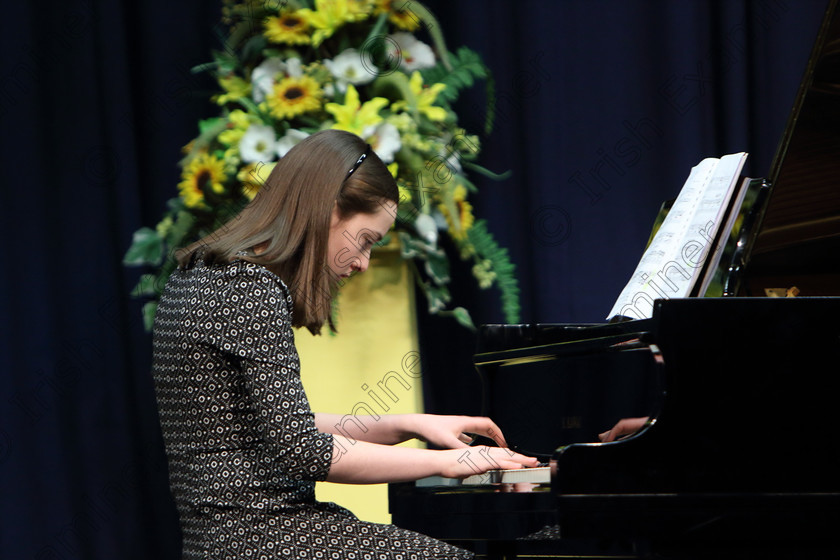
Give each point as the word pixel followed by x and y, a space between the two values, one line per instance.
pixel 291 215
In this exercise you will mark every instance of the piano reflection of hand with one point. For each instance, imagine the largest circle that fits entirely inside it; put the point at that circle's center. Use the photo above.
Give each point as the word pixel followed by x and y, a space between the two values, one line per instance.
pixel 518 487
pixel 623 428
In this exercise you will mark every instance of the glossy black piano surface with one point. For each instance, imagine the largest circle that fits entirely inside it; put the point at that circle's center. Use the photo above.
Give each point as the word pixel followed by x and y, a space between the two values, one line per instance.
pixel 742 390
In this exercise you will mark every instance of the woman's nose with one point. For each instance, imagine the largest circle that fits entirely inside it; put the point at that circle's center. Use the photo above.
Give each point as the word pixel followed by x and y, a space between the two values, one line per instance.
pixel 361 264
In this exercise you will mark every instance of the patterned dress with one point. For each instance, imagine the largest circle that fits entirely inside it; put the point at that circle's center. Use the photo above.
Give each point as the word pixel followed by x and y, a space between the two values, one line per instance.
pixel 243 450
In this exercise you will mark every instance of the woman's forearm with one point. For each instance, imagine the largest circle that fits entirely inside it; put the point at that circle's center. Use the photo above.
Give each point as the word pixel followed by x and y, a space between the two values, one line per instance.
pixel 386 429
pixel 448 432
pixel 360 462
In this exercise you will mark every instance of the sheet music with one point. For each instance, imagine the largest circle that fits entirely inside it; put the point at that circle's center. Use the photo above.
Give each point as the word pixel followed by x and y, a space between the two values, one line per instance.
pixel 672 263
pixel 716 252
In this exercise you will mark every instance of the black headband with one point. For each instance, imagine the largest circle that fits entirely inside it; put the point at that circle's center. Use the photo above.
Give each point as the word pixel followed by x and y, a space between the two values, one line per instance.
pixel 358 162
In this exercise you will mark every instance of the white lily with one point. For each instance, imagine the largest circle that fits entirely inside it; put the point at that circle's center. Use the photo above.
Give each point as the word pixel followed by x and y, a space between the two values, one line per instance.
pixel 259 143
pixel 412 54
pixel 264 77
pixel 288 141
pixel 348 68
pixel 427 228
pixel 294 67
pixel 384 139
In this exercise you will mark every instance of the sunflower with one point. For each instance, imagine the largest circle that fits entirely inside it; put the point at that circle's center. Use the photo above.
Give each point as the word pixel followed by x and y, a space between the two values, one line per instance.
pixel 202 172
pixel 288 28
pixel 294 96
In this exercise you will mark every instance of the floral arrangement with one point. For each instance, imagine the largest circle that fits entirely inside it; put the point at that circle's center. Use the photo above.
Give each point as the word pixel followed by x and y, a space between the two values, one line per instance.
pixel 290 68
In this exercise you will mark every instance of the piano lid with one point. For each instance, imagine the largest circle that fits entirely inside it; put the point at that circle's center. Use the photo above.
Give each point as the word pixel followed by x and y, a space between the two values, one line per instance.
pixel 801 221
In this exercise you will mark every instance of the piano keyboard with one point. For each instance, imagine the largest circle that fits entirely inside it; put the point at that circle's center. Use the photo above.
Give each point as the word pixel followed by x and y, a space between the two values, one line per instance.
pixel 535 475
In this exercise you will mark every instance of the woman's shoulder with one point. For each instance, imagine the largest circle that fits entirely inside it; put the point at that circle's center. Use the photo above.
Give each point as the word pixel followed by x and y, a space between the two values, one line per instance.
pixel 248 276
pixel 227 303
pixel 238 277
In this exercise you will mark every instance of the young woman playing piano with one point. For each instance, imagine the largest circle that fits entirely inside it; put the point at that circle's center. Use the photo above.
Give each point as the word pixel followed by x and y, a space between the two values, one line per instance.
pixel 243 446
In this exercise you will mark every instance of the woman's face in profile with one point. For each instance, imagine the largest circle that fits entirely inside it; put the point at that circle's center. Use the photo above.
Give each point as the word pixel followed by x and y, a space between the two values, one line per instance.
pixel 352 238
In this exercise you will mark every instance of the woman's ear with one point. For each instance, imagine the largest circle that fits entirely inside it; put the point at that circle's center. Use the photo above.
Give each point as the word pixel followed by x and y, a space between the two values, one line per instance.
pixel 335 217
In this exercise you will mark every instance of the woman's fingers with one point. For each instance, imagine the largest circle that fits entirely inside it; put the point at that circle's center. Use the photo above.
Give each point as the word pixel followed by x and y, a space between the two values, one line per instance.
pixel 507 459
pixel 483 426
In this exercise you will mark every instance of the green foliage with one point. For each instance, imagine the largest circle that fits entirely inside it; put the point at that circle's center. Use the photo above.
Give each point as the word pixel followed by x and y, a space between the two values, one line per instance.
pixel 487 248
pixel 146 248
pixel 466 68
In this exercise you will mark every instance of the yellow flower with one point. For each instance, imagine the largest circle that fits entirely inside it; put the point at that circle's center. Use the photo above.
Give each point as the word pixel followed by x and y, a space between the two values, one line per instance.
pixel 404 19
pixel 239 118
pixel 464 220
pixel 253 176
pixel 353 116
pixel 288 27
pixel 294 96
pixel 202 172
pixel 329 15
pixel 232 159
pixel 238 123
pixel 165 226
pixel 235 88
pixel 483 272
pixel 406 194
pixel 403 122
pixel 425 96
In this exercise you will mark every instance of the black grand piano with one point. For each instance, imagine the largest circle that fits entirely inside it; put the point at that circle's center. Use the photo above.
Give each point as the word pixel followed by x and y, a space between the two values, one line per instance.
pixel 739 456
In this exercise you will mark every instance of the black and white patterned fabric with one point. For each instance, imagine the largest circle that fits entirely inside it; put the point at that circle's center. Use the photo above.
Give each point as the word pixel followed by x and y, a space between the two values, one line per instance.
pixel 243 450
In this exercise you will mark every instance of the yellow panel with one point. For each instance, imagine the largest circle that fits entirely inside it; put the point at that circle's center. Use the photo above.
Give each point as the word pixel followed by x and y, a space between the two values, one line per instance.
pixel 370 367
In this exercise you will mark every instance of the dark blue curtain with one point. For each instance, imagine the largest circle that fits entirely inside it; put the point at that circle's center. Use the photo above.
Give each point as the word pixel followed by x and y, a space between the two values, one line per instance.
pixel 96 100
pixel 602 107
pixel 601 110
